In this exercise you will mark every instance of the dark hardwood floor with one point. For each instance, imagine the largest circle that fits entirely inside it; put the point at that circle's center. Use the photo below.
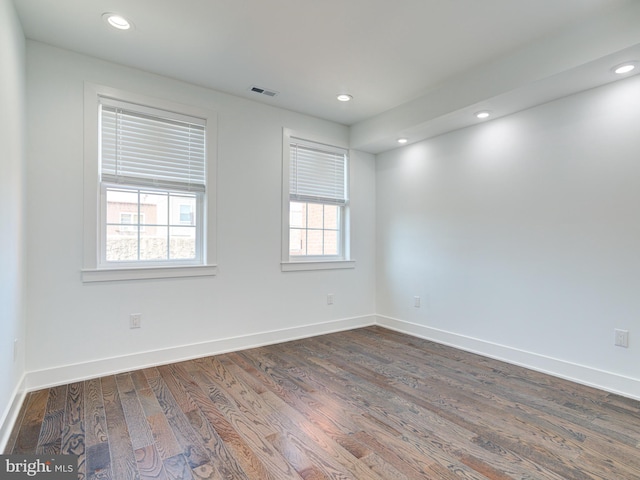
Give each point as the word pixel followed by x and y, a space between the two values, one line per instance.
pixel 364 404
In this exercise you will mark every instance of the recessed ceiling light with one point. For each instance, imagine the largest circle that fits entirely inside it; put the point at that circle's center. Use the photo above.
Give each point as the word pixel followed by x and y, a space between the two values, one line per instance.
pixel 402 141
pixel 624 68
pixel 484 114
pixel 344 97
pixel 117 21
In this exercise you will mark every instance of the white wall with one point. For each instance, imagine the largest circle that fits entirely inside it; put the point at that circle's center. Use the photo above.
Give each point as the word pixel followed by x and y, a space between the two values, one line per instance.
pixel 522 237
pixel 73 323
pixel 12 211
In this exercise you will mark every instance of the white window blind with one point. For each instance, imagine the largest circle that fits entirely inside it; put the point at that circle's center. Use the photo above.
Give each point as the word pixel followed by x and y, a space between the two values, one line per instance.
pixel 143 146
pixel 317 173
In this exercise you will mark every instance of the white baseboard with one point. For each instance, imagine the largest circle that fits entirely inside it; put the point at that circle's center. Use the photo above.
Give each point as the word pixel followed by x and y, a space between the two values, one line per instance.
pixel 61 375
pixel 603 380
pixel 10 415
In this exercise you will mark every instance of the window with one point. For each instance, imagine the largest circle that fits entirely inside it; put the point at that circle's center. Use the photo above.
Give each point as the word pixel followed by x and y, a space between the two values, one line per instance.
pixel 315 205
pixel 150 159
pixel 153 214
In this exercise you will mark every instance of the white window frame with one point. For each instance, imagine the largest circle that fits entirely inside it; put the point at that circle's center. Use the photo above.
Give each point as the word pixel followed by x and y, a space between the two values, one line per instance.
pixel 93 269
pixel 311 262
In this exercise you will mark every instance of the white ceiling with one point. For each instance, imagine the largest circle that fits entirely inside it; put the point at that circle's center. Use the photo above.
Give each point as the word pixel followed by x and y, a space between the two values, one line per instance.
pixel 411 65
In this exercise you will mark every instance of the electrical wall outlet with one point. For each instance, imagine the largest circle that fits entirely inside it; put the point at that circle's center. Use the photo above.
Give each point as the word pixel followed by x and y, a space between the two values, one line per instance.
pixel 621 338
pixel 329 298
pixel 416 302
pixel 135 320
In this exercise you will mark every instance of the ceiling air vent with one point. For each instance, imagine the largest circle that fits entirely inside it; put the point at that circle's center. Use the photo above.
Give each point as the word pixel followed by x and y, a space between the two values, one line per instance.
pixel 263 91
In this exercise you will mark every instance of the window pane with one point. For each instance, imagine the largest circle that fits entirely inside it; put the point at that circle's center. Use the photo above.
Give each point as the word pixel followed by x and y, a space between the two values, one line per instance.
pixel 317 234
pixel 122 208
pixel 186 214
pixel 139 228
pixel 183 210
pixel 121 248
pixel 297 241
pixel 122 225
pixel 153 209
pixel 314 242
pixel 153 243
pixel 315 215
pixel 182 243
pixel 331 217
pixel 297 214
pixel 331 242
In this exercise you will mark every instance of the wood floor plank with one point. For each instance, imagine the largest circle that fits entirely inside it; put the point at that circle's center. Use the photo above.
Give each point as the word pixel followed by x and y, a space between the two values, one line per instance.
pixel 123 461
pixel 139 430
pixel 73 433
pixel 96 440
pixel 382 467
pixel 95 421
pixel 296 458
pixel 164 438
pixel 139 380
pixel 177 468
pixel 150 464
pixel 98 462
pixel 366 404
pixel 27 437
pixel 193 445
pixel 206 471
pixel 49 440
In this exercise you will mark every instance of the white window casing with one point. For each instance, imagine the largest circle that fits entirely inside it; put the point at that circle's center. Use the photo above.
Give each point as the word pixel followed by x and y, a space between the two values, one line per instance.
pixel 146 145
pixel 315 177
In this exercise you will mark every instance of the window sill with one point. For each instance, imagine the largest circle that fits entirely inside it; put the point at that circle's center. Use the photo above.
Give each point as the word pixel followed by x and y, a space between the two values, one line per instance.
pixel 317 265
pixel 143 273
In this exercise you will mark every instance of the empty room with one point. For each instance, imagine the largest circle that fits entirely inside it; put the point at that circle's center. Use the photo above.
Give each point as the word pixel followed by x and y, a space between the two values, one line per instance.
pixel 295 239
